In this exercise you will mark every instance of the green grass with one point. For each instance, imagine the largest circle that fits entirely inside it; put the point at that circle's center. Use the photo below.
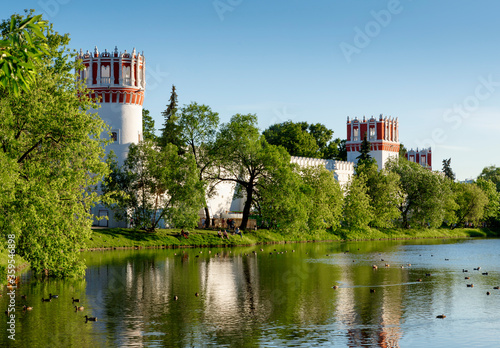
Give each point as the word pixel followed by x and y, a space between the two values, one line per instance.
pixel 21 265
pixel 122 237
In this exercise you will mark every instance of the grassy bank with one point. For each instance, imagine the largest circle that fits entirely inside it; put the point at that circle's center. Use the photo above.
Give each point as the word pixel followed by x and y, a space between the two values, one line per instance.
pixel 128 238
pixel 20 264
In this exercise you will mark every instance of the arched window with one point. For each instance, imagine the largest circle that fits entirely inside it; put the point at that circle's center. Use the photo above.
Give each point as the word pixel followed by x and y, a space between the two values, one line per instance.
pixel 105 74
pixel 126 75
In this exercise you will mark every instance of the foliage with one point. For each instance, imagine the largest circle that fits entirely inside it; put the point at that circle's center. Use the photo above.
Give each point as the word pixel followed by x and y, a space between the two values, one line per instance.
pixel 198 124
pixel 302 139
pixel 22 45
pixel 364 157
pixel 171 131
pixel 156 183
pixel 342 150
pixel 423 196
pixel 383 187
pixel 243 157
pixel 492 209
pixel 491 173
pixel 448 172
pixel 281 199
pixel 357 210
pixel 471 201
pixel 52 159
pixel 293 138
pixel 402 151
pixel 325 198
pixel 148 126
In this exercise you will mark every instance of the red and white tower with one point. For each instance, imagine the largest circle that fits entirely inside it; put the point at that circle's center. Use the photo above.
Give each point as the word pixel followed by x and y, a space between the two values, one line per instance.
pixel 383 135
pixel 118 80
pixel 423 157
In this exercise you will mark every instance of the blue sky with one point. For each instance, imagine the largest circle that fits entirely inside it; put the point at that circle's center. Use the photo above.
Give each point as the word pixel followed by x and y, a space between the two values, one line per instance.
pixel 434 65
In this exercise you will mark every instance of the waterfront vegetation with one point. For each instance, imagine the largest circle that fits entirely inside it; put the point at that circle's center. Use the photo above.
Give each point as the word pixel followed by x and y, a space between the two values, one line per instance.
pixel 52 160
pixel 171 238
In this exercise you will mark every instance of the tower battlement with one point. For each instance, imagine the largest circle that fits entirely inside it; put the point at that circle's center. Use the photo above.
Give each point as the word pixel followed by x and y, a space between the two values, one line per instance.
pixel 118 81
pixel 114 77
pixel 382 133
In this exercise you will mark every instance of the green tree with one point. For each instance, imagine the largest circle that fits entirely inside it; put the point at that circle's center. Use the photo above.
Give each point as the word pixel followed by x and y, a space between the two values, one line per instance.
pixel 244 157
pixel 342 151
pixel 402 151
pixel 492 209
pixel 471 202
pixel 155 184
pixel 357 209
pixel 491 173
pixel 22 45
pixel 383 188
pixel 281 199
pixel 364 157
pixel 325 198
pixel 51 144
pixel 293 138
pixel 171 131
pixel 148 126
pixel 198 124
pixel 423 197
pixel 448 172
pixel 302 139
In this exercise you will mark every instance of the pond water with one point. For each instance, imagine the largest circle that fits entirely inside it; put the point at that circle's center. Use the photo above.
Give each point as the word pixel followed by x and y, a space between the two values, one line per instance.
pixel 281 296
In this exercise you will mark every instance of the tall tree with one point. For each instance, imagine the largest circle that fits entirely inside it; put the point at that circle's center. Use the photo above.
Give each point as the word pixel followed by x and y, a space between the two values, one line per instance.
pixel 281 199
pixel 402 151
pixel 383 189
pixel 357 210
pixel 471 202
pixel 448 172
pixel 492 209
pixel 199 124
pixel 52 143
pixel 243 157
pixel 491 173
pixel 342 151
pixel 325 198
pixel 148 126
pixel 155 184
pixel 303 139
pixel 423 195
pixel 171 131
pixel 364 157
pixel 292 136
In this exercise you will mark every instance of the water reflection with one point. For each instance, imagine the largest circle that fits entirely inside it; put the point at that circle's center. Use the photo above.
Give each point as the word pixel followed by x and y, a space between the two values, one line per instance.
pixel 282 296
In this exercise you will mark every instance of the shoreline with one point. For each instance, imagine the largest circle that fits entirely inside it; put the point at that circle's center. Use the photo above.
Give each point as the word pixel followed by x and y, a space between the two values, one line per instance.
pixel 104 239
pixel 126 239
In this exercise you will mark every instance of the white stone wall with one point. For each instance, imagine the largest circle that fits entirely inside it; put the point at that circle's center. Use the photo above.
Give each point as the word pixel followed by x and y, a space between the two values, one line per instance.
pixel 126 121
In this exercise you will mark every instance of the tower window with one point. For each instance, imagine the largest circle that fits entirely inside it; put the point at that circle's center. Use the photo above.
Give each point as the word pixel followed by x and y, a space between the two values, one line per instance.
pixel 372 133
pixel 114 136
pixel 356 134
pixel 105 74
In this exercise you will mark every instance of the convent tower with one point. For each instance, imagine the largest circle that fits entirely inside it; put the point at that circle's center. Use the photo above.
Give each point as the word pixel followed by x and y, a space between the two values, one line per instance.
pixel 383 135
pixel 119 81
